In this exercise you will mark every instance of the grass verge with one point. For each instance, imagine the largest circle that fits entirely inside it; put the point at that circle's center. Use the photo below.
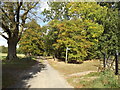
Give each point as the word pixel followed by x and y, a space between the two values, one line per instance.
pixel 105 79
pixel 95 80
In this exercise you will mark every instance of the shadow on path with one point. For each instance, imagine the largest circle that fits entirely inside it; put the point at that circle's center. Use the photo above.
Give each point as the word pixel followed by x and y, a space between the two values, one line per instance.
pixel 26 75
pixel 41 75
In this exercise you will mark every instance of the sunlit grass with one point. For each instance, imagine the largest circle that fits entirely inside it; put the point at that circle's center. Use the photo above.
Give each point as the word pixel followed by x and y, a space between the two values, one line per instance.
pixel 85 81
pixel 3 55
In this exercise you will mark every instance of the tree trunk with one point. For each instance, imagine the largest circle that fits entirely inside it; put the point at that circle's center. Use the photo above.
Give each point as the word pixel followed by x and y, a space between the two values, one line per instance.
pixel 104 60
pixel 12 43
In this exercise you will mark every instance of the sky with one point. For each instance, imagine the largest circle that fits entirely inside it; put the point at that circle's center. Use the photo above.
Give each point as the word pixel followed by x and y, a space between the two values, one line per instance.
pixel 43 6
pixel 3 41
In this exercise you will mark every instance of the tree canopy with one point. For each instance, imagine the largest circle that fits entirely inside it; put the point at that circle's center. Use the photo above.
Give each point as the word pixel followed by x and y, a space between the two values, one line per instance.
pixel 78 35
pixel 31 42
pixel 89 24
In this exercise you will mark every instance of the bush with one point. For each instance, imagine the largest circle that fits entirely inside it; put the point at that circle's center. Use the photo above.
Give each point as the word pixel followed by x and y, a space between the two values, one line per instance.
pixel 107 80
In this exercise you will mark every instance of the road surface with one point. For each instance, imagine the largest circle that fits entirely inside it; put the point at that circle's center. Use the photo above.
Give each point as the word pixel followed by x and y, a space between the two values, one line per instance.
pixel 47 77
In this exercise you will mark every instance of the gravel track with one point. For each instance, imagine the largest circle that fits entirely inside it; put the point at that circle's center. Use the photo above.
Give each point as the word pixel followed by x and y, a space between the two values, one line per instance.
pixel 46 77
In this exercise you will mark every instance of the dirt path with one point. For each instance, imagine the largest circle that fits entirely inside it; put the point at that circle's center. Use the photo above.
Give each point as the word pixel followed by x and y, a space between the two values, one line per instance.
pixel 46 78
pixel 81 73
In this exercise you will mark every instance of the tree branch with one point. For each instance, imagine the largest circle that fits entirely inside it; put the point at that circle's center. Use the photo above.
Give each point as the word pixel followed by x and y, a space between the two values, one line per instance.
pixel 8 16
pixel 5 13
pixel 22 29
pixel 17 17
pixel 3 36
pixel 5 29
pixel 36 16
pixel 24 17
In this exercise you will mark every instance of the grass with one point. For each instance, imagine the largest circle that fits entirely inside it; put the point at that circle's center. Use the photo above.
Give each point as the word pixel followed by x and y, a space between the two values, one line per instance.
pixel 105 79
pixel 68 69
pixel 85 81
pixel 3 55
pixel 12 69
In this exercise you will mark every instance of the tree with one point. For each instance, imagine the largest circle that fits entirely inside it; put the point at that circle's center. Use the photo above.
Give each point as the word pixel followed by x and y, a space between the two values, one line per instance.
pixel 47 39
pixel 58 10
pixel 14 15
pixel 87 10
pixel 78 35
pixel 31 42
pixel 50 38
pixel 103 15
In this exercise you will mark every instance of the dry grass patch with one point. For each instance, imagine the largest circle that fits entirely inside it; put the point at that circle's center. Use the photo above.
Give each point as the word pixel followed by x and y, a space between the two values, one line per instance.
pixel 77 75
pixel 68 69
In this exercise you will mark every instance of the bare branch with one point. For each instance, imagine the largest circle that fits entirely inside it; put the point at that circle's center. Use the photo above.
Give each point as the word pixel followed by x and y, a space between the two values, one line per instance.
pixel 5 13
pixel 3 36
pixel 36 16
pixel 18 15
pixel 24 17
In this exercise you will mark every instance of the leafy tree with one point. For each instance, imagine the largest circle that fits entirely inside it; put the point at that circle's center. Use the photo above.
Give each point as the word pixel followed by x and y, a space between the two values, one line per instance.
pixel 103 15
pixel 3 49
pixel 115 8
pixel 58 10
pixel 14 15
pixel 31 42
pixel 87 10
pixel 48 40
pixel 78 35
pixel 110 38
pixel 81 10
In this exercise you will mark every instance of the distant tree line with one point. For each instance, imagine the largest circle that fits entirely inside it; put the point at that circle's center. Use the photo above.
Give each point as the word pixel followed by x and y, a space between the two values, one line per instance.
pixel 3 49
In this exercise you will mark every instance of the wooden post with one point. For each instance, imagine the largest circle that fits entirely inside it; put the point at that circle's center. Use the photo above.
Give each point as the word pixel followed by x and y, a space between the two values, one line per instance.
pixel 66 55
pixel 116 62
pixel 104 61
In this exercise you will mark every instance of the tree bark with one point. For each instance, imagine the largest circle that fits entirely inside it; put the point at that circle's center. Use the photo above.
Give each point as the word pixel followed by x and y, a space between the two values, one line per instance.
pixel 12 43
